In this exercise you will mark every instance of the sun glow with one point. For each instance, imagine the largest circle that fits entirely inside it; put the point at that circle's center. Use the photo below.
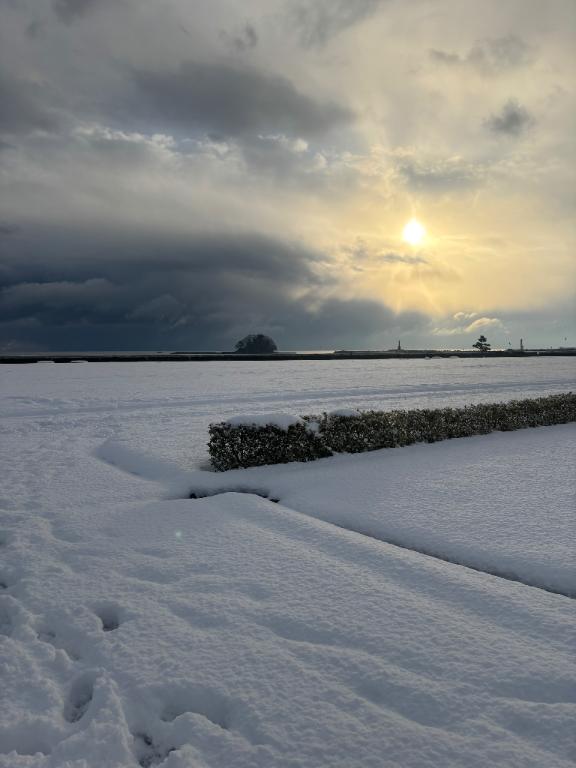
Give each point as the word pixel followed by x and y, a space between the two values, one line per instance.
pixel 413 232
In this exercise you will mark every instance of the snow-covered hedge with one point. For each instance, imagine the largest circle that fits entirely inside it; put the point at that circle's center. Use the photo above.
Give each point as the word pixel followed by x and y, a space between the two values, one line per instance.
pixel 372 430
pixel 277 439
pixel 241 442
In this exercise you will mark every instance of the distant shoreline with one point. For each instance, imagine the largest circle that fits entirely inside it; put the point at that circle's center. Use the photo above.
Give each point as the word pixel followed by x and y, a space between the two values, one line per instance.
pixel 142 357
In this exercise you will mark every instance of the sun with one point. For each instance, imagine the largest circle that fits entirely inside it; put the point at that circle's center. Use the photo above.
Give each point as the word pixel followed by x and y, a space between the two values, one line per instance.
pixel 413 232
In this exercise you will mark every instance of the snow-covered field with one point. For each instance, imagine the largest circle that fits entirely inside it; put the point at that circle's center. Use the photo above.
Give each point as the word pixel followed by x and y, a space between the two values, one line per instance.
pixel 405 608
pixel 170 405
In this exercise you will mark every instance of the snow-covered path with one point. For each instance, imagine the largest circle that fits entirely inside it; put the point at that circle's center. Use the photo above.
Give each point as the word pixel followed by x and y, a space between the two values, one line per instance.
pixel 140 627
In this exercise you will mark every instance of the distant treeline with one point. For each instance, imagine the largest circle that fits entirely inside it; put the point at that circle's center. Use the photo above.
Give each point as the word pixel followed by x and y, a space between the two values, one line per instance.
pixel 233 446
pixel 341 354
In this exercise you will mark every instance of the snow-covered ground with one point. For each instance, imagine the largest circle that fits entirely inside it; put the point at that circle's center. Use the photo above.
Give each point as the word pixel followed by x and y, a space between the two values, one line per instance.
pixel 138 626
pixel 502 503
pixel 169 405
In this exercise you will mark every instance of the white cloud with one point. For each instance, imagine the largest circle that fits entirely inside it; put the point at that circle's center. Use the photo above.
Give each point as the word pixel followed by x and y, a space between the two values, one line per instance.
pixel 480 324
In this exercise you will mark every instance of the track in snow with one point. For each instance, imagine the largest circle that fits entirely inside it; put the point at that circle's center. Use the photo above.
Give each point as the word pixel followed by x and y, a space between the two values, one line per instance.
pixel 390 542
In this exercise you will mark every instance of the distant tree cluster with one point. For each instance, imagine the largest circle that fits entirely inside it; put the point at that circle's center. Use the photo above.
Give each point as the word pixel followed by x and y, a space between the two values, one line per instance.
pixel 256 344
pixel 482 344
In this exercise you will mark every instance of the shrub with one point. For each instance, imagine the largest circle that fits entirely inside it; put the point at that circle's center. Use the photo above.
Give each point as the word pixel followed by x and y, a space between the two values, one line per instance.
pixel 231 447
pixel 372 430
pixel 249 445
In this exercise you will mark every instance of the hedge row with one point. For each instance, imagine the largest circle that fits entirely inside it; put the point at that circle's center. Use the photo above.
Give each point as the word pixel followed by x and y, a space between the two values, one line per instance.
pixel 232 447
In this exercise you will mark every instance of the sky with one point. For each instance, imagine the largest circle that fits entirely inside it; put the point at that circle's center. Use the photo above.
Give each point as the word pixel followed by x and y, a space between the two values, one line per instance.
pixel 176 174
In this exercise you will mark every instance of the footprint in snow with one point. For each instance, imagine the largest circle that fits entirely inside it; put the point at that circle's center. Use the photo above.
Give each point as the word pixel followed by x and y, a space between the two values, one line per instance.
pixel 198 700
pixel 46 635
pixel 148 753
pixel 109 616
pixel 226 713
pixel 79 697
pixel 8 579
pixel 6 618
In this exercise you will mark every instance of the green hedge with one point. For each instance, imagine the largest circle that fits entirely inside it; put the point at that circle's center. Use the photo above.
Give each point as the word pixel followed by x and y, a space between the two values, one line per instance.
pixel 232 447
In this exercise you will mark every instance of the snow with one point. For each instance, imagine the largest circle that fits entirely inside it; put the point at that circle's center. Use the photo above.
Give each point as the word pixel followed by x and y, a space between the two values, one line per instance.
pixel 141 627
pixel 170 404
pixel 281 420
pixel 502 503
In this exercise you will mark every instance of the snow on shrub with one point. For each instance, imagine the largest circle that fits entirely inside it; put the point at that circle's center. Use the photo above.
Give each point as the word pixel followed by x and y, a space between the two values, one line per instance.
pixel 280 420
pixel 249 441
pixel 274 439
pixel 372 430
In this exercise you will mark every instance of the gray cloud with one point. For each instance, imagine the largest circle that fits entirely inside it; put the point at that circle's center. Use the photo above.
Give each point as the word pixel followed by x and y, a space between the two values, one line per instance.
pixel 35 29
pixel 446 57
pixel 234 100
pixel 317 21
pixel 8 229
pixel 135 292
pixel 47 256
pixel 288 160
pixel 24 107
pixel 91 144
pixel 202 294
pixel 512 120
pixel 438 175
pixel 69 10
pixel 401 258
pixel 356 323
pixel 489 57
pixel 244 40
pixel 362 255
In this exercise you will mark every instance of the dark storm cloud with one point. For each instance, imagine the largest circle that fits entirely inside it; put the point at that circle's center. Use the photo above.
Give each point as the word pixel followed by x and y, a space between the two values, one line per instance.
pixel 317 21
pixel 233 100
pixel 340 323
pixel 131 292
pixel 489 57
pixel 202 295
pixel 77 256
pixel 24 107
pixel 103 128
pixel 512 120
pixel 63 302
